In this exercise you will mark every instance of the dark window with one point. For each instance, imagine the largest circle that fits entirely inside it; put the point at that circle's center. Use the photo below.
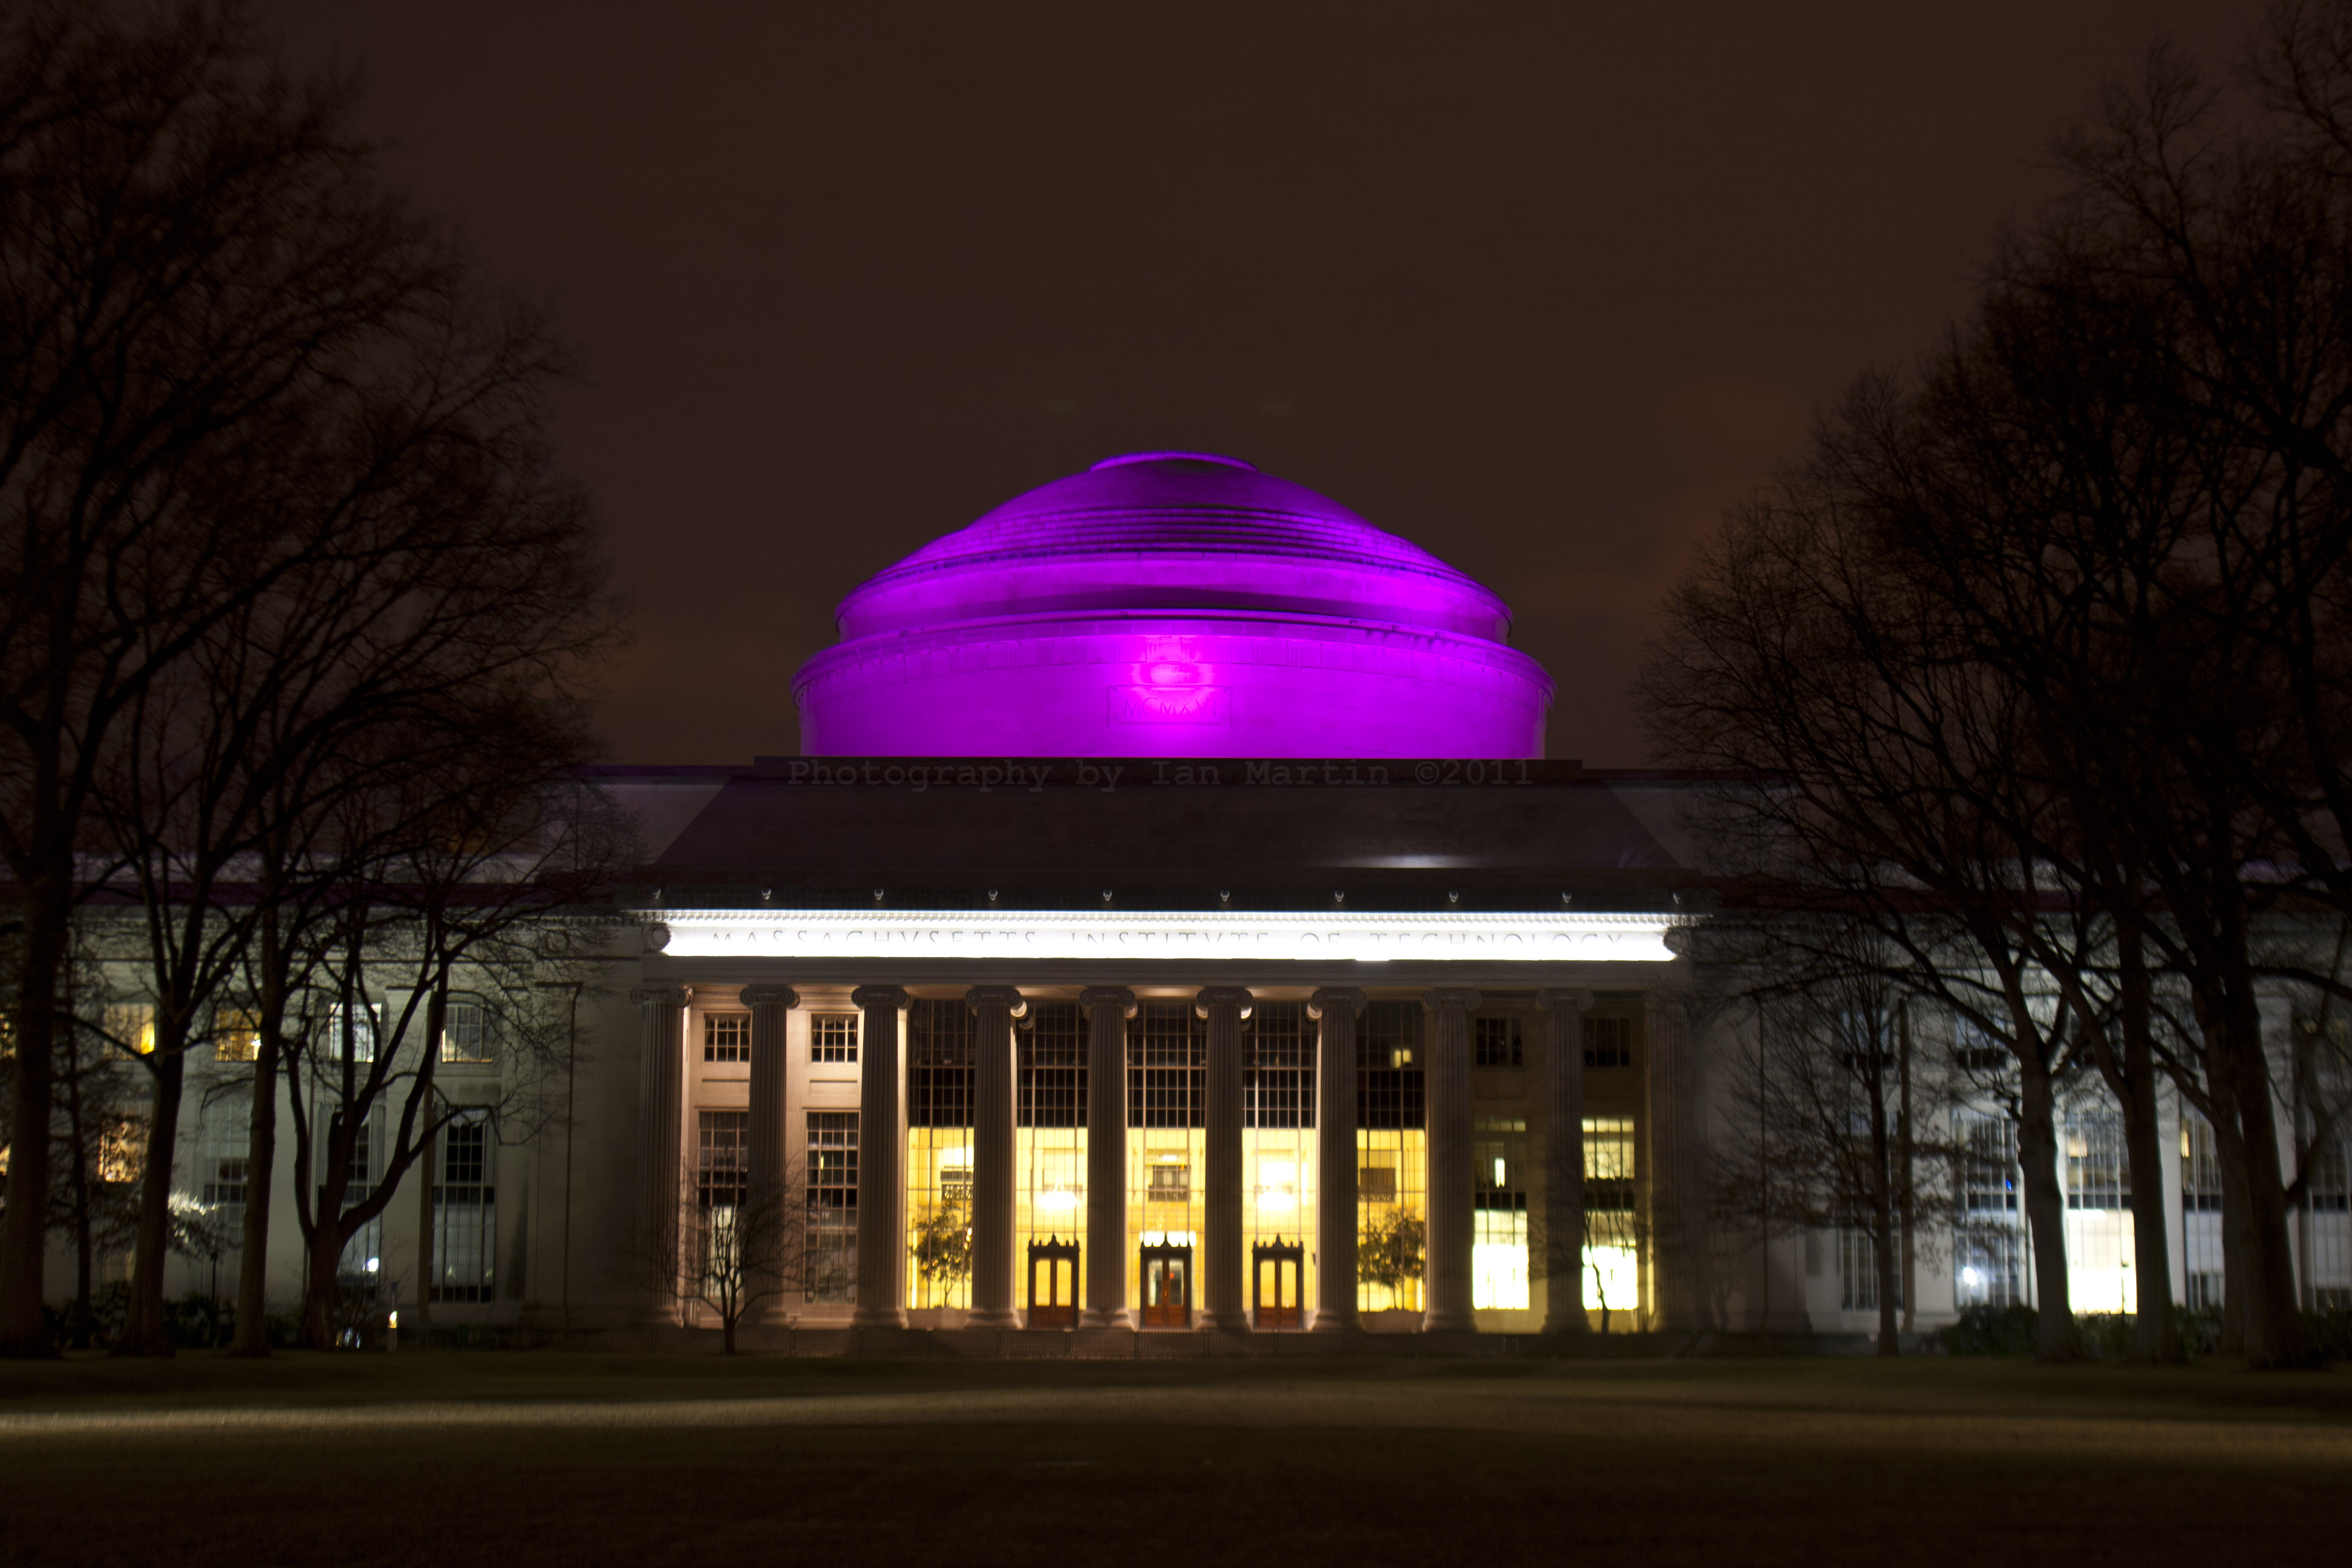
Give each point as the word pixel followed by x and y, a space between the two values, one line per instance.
pixel 939 1063
pixel 464 1212
pixel 833 1038
pixel 727 1037
pixel 1168 1048
pixel 1499 1043
pixel 1608 1042
pixel 1053 1042
pixel 1279 1090
pixel 831 1167
pixel 1388 1081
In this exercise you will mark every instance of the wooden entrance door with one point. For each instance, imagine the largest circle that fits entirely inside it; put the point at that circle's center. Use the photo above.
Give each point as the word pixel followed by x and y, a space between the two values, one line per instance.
pixel 1053 1284
pixel 1167 1286
pixel 1276 1267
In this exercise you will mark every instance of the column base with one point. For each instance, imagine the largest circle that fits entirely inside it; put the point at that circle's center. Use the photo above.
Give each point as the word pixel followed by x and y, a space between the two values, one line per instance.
pixel 1575 1323
pixel 1115 1318
pixel 878 1317
pixel 993 1318
pixel 1345 1322
pixel 1225 1322
pixel 1436 1322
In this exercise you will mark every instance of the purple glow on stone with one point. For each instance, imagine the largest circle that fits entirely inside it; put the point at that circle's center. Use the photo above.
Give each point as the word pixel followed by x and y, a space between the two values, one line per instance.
pixel 1172 604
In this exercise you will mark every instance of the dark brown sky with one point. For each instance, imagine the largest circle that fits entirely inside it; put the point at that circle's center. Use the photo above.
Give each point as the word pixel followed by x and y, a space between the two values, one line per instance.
pixel 1540 286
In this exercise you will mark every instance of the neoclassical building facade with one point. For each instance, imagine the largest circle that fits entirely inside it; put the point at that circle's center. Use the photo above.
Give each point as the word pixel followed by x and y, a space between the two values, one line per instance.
pixel 1171 924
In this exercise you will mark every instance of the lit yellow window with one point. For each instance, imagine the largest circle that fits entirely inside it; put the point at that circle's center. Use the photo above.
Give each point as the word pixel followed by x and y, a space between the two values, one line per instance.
pixel 131 1025
pixel 237 1036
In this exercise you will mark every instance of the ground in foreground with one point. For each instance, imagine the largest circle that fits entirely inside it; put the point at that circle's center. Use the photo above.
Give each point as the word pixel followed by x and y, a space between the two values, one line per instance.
pixel 524 1458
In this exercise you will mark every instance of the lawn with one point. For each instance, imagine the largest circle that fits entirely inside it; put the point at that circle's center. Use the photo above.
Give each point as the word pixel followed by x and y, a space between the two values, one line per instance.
pixel 453 1458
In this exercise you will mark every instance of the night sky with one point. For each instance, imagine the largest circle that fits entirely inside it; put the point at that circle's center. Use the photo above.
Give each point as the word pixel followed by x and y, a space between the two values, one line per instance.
pixel 1541 287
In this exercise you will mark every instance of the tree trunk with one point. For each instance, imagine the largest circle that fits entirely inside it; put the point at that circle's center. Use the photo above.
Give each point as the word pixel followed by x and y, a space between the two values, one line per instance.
pixel 2155 1335
pixel 1882 1208
pixel 23 1230
pixel 1907 1171
pixel 2274 1330
pixel 259 1172
pixel 2054 1335
pixel 144 1330
pixel 84 1326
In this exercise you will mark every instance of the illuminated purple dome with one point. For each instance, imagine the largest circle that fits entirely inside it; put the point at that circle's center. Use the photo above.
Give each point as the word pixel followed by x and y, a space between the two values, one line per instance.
pixel 1172 604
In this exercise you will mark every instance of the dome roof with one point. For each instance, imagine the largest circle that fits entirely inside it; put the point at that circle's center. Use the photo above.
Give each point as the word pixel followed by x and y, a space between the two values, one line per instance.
pixel 1172 604
pixel 1179 531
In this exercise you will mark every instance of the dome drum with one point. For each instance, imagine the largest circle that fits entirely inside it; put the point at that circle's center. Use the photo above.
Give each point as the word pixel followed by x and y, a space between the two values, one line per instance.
pixel 1172 604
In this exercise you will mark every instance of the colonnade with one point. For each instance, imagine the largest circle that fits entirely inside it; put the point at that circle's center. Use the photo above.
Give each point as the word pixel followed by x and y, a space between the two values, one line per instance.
pixel 881 1188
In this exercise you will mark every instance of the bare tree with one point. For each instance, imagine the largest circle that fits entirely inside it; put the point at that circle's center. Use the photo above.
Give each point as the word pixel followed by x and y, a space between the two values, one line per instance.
pixel 252 421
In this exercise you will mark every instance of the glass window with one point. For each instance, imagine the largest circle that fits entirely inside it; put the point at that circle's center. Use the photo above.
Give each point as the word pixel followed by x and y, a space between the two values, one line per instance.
pixel 1613 1254
pixel 727 1037
pixel 1499 1042
pixel 1608 1042
pixel 1053 1064
pixel 130 1026
pixel 465 1210
pixel 464 1031
pixel 236 1034
pixel 831 1167
pixel 1279 1088
pixel 833 1038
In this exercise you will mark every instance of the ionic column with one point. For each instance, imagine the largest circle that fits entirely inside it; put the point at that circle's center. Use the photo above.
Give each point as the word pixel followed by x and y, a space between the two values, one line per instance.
pixel 1677 1218
pixel 1450 1191
pixel 661 1081
pixel 1334 1142
pixel 766 1195
pixel 881 1187
pixel 1563 1200
pixel 993 1158
pixel 1224 1008
pixel 1109 1007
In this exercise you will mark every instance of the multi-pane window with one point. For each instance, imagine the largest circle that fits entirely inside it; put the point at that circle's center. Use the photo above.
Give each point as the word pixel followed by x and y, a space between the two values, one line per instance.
pixel 727 1037
pixel 1389 1087
pixel 722 1175
pixel 130 1026
pixel 2097 1175
pixel 831 1167
pixel 1608 1042
pixel 464 1031
pixel 833 1038
pixel 236 1034
pixel 1858 1271
pixel 363 1034
pixel 1609 1165
pixel 1498 1252
pixel 1279 1090
pixel 227 1141
pixel 1499 1042
pixel 363 1252
pixel 1988 1165
pixel 465 1210
pixel 1987 1269
pixel 939 1063
pixel 2201 1166
pixel 1168 1053
pixel 1052 1065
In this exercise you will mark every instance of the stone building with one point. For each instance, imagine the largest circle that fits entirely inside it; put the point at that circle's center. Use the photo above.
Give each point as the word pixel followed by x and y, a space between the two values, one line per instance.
pixel 1172 925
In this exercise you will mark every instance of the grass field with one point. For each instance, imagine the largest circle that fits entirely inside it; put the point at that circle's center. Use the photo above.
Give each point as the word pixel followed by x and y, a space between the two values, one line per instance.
pixel 533 1457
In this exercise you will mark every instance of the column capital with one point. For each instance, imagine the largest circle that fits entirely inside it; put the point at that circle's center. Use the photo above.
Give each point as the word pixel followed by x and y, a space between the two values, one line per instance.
pixel 658 996
pixel 880 996
pixel 1118 996
pixel 1460 996
pixel 1223 997
pixel 1342 997
pixel 1008 998
pixel 767 996
pixel 1575 996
